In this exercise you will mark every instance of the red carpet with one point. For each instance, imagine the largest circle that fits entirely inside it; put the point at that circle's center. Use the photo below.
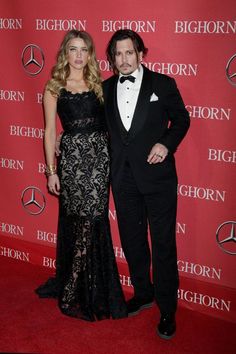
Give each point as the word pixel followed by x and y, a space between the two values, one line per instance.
pixel 32 325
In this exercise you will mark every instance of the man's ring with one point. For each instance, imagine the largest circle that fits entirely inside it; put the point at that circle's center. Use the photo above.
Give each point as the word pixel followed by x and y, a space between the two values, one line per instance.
pixel 159 156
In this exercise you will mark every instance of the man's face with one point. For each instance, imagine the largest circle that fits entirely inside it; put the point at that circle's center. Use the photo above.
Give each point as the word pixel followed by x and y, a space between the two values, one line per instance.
pixel 126 60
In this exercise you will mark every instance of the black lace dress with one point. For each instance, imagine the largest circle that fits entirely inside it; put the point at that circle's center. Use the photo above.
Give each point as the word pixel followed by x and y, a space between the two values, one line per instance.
pixel 87 281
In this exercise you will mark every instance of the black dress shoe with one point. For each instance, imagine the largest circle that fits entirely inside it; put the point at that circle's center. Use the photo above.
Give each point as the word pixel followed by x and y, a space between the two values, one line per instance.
pixel 136 304
pixel 167 326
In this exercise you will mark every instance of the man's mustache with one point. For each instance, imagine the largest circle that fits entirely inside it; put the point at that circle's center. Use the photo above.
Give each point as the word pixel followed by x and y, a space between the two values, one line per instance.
pixel 125 64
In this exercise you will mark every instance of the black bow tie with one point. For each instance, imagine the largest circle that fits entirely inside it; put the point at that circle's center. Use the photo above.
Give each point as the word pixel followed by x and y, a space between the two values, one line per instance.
pixel 130 78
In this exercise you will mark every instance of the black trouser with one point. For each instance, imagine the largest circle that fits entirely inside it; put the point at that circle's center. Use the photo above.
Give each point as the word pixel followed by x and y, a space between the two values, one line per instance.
pixel 134 212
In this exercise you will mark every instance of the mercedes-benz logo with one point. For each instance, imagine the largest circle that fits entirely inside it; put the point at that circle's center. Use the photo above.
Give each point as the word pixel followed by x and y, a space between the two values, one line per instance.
pixel 32 59
pixel 33 200
pixel 226 237
pixel 231 70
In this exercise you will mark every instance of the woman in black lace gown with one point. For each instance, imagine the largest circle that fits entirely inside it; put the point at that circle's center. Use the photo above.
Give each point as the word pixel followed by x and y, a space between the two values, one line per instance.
pixel 87 281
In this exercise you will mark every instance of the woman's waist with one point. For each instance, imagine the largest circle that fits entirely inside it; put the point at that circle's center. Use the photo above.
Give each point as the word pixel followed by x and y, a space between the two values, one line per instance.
pixel 88 125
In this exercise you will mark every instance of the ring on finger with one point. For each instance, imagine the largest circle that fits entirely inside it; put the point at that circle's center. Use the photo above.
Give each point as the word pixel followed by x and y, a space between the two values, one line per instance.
pixel 159 155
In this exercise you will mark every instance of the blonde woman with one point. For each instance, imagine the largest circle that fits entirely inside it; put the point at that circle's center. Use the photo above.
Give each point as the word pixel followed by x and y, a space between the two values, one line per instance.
pixel 87 282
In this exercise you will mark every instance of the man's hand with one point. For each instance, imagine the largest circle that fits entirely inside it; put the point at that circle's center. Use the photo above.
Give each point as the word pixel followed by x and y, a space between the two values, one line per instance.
pixel 157 154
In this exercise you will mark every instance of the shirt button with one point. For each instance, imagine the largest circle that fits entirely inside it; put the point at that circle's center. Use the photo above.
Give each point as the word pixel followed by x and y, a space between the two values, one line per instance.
pixel 127 102
pixel 127 116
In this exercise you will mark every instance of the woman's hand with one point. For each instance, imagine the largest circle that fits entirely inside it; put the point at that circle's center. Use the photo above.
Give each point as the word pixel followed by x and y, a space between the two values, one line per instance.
pixel 54 184
pixel 57 145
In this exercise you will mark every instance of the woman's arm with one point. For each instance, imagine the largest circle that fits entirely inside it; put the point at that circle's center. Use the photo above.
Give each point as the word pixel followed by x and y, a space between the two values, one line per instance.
pixel 50 112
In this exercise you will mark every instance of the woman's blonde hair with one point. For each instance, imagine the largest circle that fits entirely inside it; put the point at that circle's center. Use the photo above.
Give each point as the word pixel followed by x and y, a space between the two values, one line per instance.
pixel 61 70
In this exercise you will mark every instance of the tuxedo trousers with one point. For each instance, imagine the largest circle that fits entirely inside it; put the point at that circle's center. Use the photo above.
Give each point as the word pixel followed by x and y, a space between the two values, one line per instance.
pixel 136 212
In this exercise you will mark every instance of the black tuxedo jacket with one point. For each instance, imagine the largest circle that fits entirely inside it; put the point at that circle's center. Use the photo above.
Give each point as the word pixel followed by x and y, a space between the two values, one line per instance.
pixel 163 120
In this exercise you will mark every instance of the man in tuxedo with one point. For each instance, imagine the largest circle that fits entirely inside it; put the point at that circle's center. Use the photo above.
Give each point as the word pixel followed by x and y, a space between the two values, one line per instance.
pixel 146 120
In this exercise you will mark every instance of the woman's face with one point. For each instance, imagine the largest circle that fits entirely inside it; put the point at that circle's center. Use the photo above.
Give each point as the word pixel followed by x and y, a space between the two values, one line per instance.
pixel 77 54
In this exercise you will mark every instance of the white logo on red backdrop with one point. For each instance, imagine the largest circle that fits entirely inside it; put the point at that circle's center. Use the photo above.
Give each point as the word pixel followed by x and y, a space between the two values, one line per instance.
pixel 222 155
pixel 231 70
pixel 210 27
pixel 33 200
pixel 32 59
pixel 14 253
pixel 226 237
pixel 213 113
pixel 11 23
pixel 46 236
pixel 174 69
pixel 137 26
pixel 204 300
pixel 201 193
pixel 28 132
pixel 43 24
pixel 11 95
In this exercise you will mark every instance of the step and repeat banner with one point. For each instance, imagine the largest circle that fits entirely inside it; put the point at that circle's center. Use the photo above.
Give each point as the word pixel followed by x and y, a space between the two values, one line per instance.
pixel 192 41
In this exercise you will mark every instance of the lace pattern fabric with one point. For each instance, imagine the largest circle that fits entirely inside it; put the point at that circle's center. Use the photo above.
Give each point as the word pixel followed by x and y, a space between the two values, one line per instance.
pixel 87 280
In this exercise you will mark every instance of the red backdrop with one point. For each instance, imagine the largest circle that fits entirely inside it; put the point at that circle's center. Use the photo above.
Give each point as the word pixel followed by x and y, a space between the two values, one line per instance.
pixel 192 41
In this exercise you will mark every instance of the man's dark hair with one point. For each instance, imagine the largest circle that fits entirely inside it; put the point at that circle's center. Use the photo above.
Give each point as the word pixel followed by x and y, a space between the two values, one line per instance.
pixel 119 36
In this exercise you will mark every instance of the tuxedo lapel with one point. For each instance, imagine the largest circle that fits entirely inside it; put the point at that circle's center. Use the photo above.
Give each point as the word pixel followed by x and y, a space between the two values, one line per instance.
pixel 111 102
pixel 141 109
pixel 114 118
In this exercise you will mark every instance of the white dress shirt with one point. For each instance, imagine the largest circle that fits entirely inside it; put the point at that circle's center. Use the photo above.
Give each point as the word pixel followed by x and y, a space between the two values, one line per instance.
pixel 127 96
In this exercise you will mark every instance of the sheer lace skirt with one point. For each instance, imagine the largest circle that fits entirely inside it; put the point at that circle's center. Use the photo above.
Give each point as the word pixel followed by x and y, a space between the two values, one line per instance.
pixel 89 286
pixel 87 280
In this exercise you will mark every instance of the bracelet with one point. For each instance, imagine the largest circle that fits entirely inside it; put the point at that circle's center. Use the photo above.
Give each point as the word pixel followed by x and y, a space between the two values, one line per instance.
pixel 51 167
pixel 50 170
pixel 50 173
